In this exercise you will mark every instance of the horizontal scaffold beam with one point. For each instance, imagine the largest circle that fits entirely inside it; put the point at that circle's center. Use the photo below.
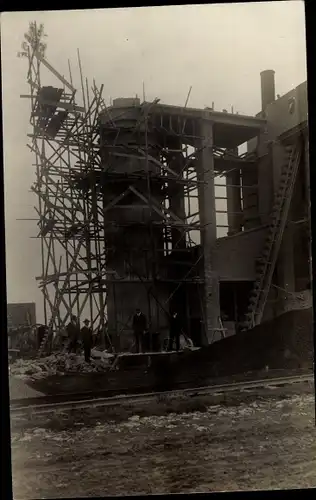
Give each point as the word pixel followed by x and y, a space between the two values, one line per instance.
pixel 59 104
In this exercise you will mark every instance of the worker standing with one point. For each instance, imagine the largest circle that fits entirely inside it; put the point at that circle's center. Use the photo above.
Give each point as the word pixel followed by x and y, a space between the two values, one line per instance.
pixel 86 337
pixel 73 334
pixel 175 331
pixel 40 335
pixel 139 328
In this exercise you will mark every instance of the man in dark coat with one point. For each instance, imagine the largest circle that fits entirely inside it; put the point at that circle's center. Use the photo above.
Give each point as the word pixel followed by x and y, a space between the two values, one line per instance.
pixel 41 331
pixel 86 337
pixel 139 328
pixel 175 331
pixel 73 334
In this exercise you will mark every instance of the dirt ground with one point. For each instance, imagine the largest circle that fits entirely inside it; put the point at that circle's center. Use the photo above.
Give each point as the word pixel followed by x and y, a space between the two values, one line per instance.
pixel 263 444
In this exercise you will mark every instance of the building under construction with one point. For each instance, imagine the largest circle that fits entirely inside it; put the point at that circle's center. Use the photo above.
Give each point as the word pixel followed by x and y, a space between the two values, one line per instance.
pixel 132 198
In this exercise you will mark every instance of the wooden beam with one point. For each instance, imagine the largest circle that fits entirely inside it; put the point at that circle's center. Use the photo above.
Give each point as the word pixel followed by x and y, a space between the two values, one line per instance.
pixel 57 104
pixel 54 71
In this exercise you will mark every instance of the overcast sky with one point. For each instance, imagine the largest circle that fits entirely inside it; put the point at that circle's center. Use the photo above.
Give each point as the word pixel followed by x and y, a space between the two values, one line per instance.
pixel 218 49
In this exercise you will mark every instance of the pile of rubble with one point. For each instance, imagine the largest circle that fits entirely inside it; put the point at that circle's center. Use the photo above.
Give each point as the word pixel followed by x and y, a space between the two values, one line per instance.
pixel 298 301
pixel 60 364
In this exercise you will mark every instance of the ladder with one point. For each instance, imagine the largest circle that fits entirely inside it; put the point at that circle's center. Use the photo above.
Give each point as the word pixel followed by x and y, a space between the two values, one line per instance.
pixel 267 261
pixel 220 329
pixel 43 343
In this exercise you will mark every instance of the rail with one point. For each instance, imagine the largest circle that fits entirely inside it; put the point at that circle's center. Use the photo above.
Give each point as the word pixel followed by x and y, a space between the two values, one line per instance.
pixel 38 407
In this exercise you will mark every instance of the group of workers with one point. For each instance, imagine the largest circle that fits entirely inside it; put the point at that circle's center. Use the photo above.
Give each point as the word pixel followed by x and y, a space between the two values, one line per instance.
pixel 74 337
pixel 142 337
pixel 77 334
pixel 140 329
pixel 141 333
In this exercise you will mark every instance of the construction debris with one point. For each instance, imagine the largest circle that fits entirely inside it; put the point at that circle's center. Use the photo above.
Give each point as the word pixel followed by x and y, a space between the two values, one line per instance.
pixel 60 364
pixel 298 301
pixel 23 339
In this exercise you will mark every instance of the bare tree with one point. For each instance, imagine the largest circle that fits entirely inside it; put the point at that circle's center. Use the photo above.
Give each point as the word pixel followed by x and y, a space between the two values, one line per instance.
pixel 34 38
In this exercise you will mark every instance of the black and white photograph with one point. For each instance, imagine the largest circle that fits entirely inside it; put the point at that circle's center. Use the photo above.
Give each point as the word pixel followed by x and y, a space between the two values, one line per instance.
pixel 158 250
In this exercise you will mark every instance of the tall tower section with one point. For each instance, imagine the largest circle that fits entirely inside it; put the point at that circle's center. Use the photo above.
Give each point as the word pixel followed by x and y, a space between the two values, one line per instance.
pixel 133 195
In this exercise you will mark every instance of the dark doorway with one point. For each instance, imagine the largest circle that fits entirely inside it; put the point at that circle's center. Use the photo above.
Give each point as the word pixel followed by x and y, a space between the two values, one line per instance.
pixel 234 299
pixel 196 331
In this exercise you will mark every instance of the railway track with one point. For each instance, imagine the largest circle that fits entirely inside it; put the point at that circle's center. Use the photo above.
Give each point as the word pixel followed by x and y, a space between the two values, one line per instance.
pixel 36 405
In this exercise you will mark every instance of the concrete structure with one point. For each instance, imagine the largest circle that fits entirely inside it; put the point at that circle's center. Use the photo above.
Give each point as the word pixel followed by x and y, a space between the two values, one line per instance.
pixel 226 267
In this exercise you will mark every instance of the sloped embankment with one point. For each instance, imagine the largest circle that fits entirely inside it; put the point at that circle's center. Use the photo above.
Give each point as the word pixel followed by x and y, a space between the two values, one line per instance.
pixel 284 343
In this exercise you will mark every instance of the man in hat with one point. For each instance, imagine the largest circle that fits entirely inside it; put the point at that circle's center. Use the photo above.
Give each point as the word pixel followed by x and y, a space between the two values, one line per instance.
pixel 175 331
pixel 139 328
pixel 86 337
pixel 41 330
pixel 73 334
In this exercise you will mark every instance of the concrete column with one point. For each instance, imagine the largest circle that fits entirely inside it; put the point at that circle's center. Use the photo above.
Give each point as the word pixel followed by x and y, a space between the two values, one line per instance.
pixel 250 197
pixel 267 88
pixel 176 194
pixel 205 172
pixel 234 202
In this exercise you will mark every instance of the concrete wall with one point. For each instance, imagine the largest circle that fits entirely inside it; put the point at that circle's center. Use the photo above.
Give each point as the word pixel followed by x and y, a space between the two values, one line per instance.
pixel 278 115
pixel 234 257
pixel 301 257
pixel 291 272
pixel 281 116
pixel 279 119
